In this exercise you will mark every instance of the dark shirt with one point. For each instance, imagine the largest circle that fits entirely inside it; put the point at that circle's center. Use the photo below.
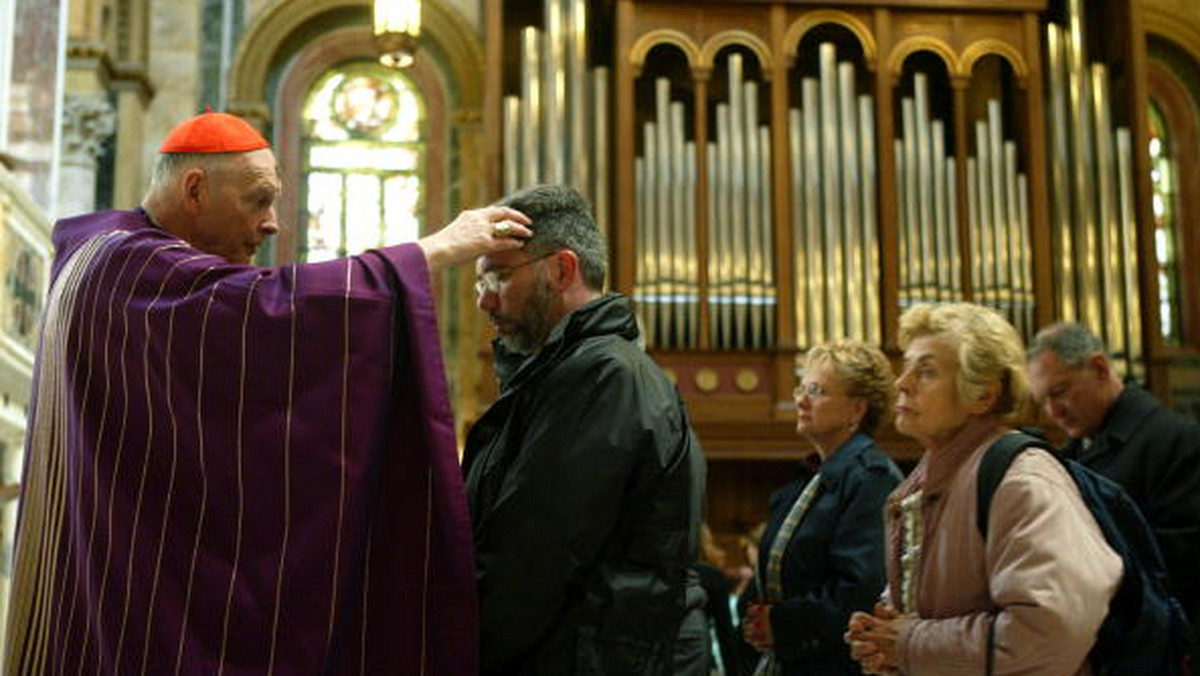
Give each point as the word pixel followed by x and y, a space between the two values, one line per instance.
pixel 1154 454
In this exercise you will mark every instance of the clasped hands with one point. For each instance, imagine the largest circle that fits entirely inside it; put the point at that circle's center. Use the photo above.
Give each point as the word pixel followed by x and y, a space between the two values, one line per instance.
pixel 756 627
pixel 872 639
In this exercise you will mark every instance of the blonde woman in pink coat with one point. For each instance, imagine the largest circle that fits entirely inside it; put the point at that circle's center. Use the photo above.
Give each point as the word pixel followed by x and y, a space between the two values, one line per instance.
pixel 1030 599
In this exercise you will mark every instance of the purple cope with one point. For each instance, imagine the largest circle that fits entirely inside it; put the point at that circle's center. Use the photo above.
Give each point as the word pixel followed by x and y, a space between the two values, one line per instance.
pixel 239 470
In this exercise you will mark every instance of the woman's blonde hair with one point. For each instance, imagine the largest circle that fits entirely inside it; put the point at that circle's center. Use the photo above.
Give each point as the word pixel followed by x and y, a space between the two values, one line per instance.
pixel 865 370
pixel 989 349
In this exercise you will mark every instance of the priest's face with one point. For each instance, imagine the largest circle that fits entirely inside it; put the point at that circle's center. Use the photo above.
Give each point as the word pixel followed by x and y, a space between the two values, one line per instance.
pixel 514 291
pixel 238 212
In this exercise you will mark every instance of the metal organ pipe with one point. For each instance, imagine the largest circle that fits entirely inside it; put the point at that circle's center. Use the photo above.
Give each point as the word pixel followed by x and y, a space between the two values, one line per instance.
pixel 834 212
pixel 557 129
pixel 1091 184
pixel 818 285
pixel 926 198
pixel 998 223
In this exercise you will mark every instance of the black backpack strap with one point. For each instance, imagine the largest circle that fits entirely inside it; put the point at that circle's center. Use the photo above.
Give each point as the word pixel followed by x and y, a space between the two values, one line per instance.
pixel 992 467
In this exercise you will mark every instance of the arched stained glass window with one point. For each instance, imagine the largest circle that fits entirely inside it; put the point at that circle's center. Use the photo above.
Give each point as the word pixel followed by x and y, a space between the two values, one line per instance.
pixel 1166 243
pixel 364 156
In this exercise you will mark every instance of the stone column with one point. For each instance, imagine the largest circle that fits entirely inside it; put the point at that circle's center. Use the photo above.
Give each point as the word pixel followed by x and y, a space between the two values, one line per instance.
pixel 88 121
pixel 133 91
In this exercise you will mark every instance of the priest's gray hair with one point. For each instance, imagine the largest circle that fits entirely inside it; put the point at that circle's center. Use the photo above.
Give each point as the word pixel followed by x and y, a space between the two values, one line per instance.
pixel 168 166
pixel 1073 344
pixel 562 219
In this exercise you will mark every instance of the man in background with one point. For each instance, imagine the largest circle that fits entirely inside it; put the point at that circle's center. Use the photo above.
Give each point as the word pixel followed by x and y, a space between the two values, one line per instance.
pixel 585 481
pixel 233 468
pixel 1124 433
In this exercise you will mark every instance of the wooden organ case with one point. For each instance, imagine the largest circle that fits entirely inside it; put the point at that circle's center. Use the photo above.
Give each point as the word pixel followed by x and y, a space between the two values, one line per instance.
pixel 772 175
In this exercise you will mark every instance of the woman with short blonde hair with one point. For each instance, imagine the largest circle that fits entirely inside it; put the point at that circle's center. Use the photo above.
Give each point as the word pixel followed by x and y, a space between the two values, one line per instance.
pixel 1031 597
pixel 988 349
pixel 821 556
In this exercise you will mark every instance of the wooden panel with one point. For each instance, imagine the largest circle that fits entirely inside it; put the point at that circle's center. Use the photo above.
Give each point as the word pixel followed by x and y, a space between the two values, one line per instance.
pixel 755 422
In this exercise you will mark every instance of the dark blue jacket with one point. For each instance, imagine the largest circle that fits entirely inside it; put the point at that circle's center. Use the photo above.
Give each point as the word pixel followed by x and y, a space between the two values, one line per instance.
pixel 834 563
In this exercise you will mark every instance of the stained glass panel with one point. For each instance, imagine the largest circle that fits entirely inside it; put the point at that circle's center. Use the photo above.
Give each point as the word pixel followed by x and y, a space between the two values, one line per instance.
pixel 364 156
pixel 324 216
pixel 365 105
pixel 353 156
pixel 1162 179
pixel 402 196
pixel 363 213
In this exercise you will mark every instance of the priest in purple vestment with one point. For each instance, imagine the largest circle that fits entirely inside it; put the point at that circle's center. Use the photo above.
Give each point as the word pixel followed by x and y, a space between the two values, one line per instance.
pixel 241 470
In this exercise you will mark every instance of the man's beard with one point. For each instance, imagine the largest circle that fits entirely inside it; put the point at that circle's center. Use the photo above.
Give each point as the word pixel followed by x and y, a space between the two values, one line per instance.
pixel 530 329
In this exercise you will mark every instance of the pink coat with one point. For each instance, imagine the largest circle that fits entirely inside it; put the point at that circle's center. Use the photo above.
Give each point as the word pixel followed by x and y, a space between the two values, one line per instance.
pixel 1043 579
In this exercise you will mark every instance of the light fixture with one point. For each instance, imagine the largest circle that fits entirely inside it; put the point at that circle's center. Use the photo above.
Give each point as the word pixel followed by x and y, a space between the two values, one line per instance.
pixel 397 28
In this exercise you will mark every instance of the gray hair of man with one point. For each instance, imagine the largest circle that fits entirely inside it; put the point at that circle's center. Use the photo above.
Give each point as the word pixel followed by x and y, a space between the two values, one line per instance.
pixel 168 166
pixel 1072 343
pixel 562 219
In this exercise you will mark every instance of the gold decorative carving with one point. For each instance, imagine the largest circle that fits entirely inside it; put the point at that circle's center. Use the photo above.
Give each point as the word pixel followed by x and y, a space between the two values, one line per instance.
pixel 746 380
pixel 922 43
pixel 708 53
pixel 981 48
pixel 662 36
pixel 671 376
pixel 796 32
pixel 707 380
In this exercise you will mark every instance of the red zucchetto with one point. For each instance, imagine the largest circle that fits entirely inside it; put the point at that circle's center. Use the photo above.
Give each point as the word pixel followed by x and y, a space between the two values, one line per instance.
pixel 211 132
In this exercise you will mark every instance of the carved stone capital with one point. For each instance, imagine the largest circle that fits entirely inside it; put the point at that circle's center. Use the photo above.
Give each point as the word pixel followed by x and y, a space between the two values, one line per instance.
pixel 88 121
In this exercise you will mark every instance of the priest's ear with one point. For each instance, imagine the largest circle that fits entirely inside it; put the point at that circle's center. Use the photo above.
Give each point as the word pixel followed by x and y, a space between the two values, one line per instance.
pixel 192 189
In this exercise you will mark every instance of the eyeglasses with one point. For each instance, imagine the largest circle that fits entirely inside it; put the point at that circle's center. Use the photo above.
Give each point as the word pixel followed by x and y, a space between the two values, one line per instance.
pixel 490 281
pixel 811 390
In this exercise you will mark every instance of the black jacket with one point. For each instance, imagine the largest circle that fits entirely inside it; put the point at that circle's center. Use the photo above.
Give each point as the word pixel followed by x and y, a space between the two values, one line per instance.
pixel 834 562
pixel 586 486
pixel 1154 454
pixel 718 589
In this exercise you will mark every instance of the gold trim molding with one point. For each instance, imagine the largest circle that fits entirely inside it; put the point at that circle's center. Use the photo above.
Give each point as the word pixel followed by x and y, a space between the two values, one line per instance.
pixel 641 48
pixel 796 32
pixel 922 43
pixel 981 48
pixel 708 53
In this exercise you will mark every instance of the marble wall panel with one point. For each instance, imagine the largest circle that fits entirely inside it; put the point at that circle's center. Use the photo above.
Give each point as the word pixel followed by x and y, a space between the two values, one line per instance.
pixel 33 97
pixel 174 66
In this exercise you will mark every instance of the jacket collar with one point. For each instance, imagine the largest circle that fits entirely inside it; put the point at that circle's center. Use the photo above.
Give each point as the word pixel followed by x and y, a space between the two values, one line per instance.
pixel 846 455
pixel 1127 413
pixel 610 314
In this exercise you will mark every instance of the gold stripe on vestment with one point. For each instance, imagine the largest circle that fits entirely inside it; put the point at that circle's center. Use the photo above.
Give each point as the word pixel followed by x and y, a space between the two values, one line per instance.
pixel 241 487
pixel 40 528
pixel 91 306
pixel 120 448
pixel 137 511
pixel 187 603
pixel 53 463
pixel 162 531
pixel 102 429
pixel 287 468
pixel 337 543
